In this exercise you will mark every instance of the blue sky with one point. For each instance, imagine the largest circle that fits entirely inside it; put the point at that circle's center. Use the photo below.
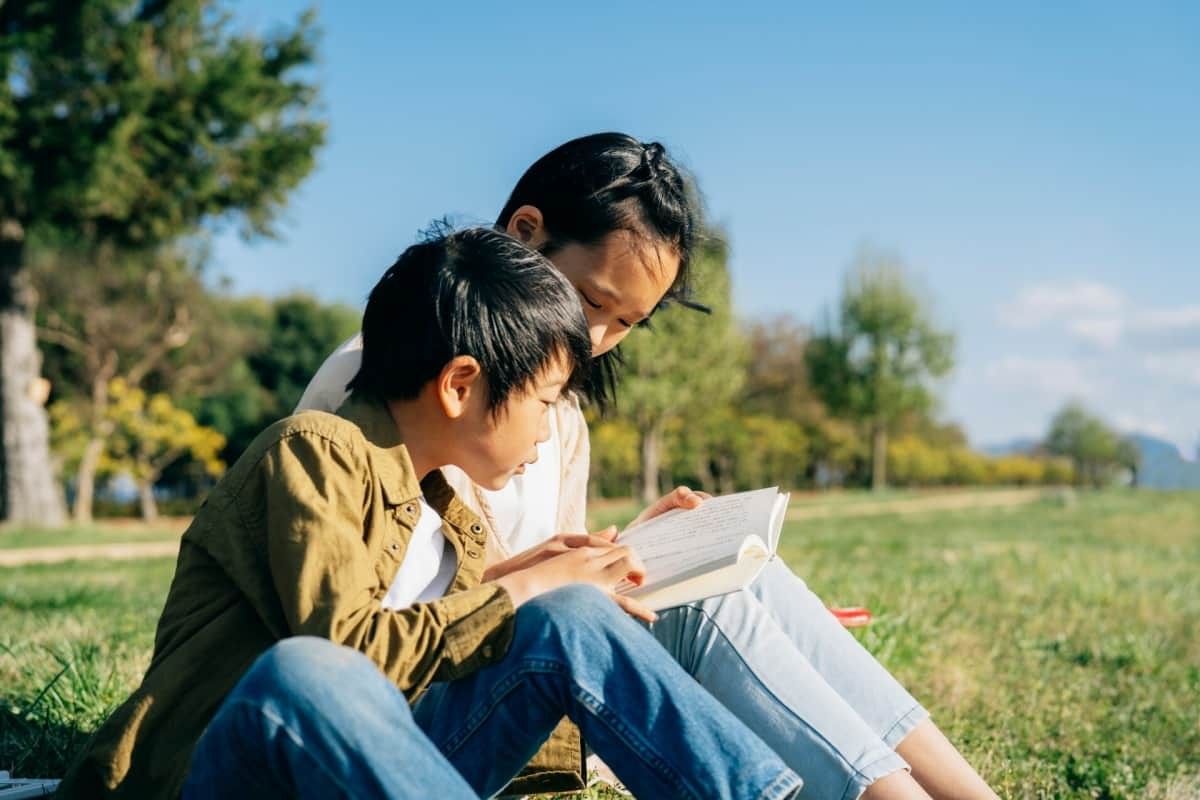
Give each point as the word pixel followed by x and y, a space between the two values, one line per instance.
pixel 1037 167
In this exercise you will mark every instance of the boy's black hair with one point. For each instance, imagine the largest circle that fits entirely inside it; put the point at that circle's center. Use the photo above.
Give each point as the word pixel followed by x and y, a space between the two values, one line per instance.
pixel 475 292
pixel 592 186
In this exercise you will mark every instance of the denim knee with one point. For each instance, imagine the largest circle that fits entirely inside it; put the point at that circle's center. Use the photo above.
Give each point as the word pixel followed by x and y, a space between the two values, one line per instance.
pixel 302 666
pixel 570 603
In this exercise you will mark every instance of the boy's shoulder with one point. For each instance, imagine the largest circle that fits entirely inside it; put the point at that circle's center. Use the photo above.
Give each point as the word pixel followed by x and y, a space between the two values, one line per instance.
pixel 305 436
pixel 309 424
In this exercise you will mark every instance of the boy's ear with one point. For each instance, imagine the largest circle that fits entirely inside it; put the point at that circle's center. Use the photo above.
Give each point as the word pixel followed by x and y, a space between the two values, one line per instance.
pixel 460 377
pixel 527 226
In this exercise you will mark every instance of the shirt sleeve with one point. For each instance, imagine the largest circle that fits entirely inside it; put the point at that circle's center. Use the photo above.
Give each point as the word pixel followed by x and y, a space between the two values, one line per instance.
pixel 318 524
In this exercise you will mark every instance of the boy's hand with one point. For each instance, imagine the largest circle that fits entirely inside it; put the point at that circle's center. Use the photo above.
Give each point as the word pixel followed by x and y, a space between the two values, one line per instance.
pixel 681 497
pixel 549 549
pixel 602 564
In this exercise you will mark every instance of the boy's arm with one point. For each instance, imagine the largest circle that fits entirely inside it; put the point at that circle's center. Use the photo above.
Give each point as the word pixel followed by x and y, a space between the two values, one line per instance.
pixel 329 584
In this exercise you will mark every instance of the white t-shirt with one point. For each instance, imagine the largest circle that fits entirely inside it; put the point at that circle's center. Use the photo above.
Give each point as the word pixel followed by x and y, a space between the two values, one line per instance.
pixel 525 511
pixel 429 564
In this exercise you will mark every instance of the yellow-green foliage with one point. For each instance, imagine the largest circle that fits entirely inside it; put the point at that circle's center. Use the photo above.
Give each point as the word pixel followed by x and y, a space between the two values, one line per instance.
pixel 1017 470
pixel 143 434
pixel 912 461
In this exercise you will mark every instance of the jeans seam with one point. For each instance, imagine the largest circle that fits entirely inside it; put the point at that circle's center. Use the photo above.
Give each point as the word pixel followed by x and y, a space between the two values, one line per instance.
pixel 717 626
pixel 599 711
pixel 859 777
pixel 296 739
pixel 788 780
pixel 911 714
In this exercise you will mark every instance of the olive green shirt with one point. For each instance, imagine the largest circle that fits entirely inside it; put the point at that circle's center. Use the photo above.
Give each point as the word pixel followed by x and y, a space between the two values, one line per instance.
pixel 302 536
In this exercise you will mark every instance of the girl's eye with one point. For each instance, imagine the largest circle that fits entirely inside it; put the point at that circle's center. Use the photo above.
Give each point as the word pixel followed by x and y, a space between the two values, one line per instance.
pixel 588 300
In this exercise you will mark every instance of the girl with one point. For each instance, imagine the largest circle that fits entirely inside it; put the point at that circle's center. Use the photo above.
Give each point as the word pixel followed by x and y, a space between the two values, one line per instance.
pixel 620 220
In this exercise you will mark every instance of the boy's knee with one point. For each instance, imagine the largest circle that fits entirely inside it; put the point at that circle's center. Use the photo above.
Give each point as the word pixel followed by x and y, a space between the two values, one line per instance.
pixel 573 601
pixel 299 662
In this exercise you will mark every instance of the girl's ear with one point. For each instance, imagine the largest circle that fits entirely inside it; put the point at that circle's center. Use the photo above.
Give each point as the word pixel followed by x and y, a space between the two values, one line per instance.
pixel 455 384
pixel 528 227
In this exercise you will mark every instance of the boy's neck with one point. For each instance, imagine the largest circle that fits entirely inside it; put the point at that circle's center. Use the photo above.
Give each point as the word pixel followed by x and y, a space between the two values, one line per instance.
pixel 421 432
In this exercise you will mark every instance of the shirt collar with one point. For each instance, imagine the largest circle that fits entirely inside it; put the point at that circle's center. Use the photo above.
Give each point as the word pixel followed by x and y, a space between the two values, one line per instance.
pixel 398 477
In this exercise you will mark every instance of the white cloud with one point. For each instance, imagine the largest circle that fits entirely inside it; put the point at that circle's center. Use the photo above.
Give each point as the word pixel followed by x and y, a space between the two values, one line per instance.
pixel 1101 316
pixel 1176 366
pixel 1036 305
pixel 1104 333
pixel 1128 423
pixel 1054 377
pixel 1168 319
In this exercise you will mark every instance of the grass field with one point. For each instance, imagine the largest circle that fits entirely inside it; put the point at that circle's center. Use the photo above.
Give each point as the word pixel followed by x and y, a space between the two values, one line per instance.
pixel 1056 643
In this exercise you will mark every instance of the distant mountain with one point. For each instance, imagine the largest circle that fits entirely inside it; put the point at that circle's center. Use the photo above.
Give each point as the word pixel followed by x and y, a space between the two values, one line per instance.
pixel 1021 445
pixel 1163 467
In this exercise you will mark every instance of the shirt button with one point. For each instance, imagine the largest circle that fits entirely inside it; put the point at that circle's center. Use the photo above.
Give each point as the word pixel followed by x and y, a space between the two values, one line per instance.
pixel 476 528
pixel 395 545
pixel 473 553
pixel 486 650
pixel 410 509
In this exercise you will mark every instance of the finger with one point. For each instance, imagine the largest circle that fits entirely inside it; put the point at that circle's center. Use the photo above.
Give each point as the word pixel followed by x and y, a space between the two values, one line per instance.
pixel 686 498
pixel 609 534
pixel 633 608
pixel 587 539
pixel 626 566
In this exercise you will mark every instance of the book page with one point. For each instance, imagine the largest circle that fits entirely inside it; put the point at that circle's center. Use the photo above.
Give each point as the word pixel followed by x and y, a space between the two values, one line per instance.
pixel 683 543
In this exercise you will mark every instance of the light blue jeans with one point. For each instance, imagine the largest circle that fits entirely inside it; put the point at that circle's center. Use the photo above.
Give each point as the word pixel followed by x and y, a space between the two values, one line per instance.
pixel 776 657
pixel 312 719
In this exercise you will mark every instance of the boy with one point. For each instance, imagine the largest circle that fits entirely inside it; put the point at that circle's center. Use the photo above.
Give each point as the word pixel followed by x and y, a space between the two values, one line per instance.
pixel 343 529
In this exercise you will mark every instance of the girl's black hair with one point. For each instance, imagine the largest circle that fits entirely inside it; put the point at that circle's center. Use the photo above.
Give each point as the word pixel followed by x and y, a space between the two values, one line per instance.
pixel 593 186
pixel 475 292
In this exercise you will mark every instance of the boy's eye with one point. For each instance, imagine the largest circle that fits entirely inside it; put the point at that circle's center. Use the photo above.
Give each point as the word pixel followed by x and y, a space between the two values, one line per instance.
pixel 588 300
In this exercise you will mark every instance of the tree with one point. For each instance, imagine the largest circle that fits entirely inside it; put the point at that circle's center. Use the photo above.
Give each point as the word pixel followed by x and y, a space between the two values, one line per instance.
pixel 141 317
pixel 689 362
pixel 144 434
pixel 875 364
pixel 130 123
pixel 151 434
pixel 1096 451
pixel 289 339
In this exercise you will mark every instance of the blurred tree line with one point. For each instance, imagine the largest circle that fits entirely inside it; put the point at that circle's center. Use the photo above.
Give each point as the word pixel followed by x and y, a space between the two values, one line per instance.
pixel 725 405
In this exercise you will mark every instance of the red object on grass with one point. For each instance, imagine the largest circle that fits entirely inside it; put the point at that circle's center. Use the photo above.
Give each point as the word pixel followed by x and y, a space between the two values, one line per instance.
pixel 852 616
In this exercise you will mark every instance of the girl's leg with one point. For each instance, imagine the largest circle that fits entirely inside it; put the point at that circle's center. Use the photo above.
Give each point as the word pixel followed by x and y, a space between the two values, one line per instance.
pixel 575 651
pixel 939 767
pixel 858 678
pixel 312 719
pixel 736 650
pixel 865 685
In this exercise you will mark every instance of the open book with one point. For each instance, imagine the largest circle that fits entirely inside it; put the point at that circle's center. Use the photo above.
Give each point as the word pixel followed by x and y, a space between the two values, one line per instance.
pixel 717 548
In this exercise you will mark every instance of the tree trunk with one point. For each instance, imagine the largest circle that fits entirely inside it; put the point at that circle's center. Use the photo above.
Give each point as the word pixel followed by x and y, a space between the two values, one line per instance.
pixel 878 458
pixel 85 481
pixel 146 500
pixel 29 490
pixel 651 462
pixel 704 471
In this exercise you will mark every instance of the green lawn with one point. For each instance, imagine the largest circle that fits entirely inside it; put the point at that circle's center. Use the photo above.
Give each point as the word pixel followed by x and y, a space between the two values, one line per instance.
pixel 1056 644
pixel 100 533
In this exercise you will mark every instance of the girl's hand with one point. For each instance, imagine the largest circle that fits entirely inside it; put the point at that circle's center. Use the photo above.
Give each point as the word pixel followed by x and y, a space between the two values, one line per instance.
pixel 681 497
pixel 603 565
pixel 549 549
